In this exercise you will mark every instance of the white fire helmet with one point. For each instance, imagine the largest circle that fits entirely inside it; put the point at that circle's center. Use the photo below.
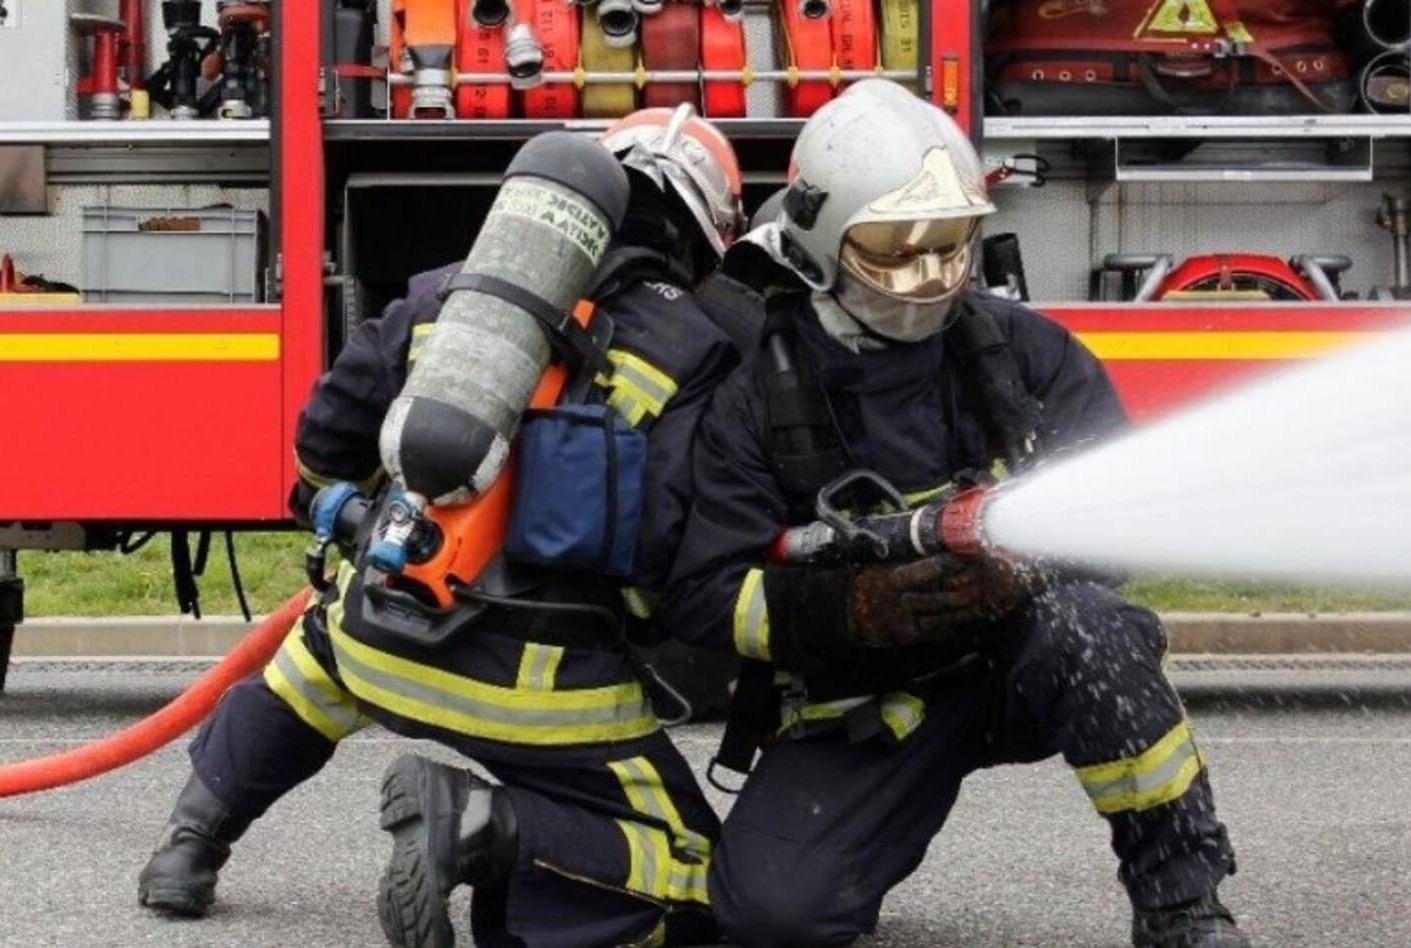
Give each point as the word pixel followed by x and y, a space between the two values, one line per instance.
pixel 679 150
pixel 885 187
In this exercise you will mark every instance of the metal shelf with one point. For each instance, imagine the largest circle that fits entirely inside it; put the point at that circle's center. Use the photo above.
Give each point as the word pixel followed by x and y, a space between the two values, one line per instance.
pixel 351 130
pixel 135 133
pixel 998 128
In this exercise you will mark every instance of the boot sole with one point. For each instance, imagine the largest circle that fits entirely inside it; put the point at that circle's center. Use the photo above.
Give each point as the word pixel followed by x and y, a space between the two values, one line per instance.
pixel 410 906
pixel 176 901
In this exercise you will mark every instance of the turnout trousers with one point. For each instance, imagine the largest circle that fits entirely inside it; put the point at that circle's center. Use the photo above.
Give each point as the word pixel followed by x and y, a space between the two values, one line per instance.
pixel 825 826
pixel 614 838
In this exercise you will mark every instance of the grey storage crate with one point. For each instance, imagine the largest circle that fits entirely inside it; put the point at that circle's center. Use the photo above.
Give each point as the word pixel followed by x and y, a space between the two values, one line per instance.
pixel 175 256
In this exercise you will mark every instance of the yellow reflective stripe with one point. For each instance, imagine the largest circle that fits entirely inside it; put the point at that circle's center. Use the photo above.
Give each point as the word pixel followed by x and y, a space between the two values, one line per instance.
pixel 639 602
pixel 792 715
pixel 479 709
pixel 538 666
pixel 649 859
pixel 902 713
pixel 1215 345
pixel 420 333
pixel 751 627
pixel 300 682
pixel 626 406
pixel 639 381
pixel 646 793
pixel 139 347
pixel 1159 774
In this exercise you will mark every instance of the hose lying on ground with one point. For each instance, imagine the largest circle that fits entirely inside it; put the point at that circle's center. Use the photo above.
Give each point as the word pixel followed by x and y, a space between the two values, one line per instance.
pixel 161 727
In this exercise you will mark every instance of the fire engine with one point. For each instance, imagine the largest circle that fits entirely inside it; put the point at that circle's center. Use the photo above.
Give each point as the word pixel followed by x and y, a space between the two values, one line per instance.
pixel 198 200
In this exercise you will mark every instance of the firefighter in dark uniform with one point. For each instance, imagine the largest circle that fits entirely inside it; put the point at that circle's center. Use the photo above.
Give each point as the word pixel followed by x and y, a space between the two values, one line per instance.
pixel 903 679
pixel 597 833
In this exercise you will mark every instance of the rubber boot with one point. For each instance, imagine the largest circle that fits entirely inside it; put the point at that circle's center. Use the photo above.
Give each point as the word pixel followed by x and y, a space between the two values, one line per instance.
pixel 1200 923
pixel 180 878
pixel 449 827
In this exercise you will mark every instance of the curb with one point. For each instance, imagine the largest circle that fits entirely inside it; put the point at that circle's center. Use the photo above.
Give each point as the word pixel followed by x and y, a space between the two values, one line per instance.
pixel 1189 632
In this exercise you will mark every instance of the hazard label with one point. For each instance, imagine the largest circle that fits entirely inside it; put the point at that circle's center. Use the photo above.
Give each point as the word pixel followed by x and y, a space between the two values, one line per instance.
pixel 1180 16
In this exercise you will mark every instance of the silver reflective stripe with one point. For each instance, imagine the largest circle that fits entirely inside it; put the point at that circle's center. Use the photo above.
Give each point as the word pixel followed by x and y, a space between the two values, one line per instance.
pixel 314 697
pixel 1160 774
pixel 458 703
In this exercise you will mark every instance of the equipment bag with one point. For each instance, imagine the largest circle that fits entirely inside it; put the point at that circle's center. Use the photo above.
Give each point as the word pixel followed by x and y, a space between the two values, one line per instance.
pixel 577 490
pixel 1147 57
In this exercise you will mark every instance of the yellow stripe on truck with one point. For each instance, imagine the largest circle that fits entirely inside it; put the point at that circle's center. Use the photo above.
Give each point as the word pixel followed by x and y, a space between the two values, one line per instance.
pixel 1159 346
pixel 139 347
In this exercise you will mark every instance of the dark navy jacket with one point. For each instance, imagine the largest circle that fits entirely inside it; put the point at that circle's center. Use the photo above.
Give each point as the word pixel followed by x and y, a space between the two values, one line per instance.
pixel 903 412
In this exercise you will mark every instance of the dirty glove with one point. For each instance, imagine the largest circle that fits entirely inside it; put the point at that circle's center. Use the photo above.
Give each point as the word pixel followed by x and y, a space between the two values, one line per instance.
pixel 828 614
pixel 986 589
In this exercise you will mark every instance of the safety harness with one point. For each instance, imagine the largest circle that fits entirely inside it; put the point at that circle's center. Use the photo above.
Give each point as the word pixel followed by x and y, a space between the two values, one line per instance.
pixel 807 451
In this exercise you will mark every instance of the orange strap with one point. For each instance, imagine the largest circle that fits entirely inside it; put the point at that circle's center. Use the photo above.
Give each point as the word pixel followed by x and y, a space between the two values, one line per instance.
pixel 671 39
pixel 480 50
pixel 854 28
pixel 808 44
pixel 555 25
pixel 723 48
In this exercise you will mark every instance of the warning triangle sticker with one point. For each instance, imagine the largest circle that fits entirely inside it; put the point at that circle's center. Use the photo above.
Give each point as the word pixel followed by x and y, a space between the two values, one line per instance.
pixel 1180 16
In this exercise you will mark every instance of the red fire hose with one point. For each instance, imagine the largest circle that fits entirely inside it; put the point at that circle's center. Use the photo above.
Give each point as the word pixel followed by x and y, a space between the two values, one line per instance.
pixel 163 726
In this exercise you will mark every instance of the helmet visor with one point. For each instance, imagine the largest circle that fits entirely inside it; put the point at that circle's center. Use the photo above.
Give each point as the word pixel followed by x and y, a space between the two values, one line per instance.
pixel 917 261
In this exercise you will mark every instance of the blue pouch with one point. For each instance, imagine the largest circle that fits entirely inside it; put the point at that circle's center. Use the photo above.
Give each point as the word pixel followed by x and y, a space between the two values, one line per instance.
pixel 577 490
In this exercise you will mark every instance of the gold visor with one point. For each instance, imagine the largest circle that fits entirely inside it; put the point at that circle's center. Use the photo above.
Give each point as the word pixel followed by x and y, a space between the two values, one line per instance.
pixel 917 261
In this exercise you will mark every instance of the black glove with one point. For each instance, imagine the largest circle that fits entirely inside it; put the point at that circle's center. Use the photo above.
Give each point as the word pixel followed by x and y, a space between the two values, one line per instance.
pixel 824 616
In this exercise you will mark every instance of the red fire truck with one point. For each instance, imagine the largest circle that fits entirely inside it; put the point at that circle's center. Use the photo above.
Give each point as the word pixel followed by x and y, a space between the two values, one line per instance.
pixel 123 418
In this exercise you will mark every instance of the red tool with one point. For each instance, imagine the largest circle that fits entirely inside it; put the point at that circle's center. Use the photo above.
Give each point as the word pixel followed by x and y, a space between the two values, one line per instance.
pixel 101 84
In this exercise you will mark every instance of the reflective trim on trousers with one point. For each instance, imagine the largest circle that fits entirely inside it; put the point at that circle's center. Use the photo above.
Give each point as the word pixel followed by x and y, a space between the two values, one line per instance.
pixel 300 682
pixel 1161 773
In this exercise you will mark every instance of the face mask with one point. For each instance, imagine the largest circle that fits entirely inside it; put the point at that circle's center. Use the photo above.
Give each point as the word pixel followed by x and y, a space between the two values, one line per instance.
pixel 892 318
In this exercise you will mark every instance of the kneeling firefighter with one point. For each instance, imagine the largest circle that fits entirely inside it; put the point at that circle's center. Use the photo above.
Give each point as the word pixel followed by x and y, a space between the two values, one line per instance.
pixel 527 671
pixel 884 381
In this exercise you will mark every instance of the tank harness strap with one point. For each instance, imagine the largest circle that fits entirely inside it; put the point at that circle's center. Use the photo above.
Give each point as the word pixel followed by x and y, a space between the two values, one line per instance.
pixel 572 343
pixel 806 448
pixel 987 363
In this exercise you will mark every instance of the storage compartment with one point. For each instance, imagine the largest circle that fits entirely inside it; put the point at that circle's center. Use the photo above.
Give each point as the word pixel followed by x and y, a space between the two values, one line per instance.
pixel 182 256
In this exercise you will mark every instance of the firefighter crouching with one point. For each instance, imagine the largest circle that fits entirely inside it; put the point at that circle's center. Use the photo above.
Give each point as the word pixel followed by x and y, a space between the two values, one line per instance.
pixel 548 700
pixel 905 678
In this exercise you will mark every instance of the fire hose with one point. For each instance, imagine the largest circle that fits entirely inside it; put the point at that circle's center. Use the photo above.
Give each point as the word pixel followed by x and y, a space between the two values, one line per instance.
pixel 163 726
pixel 952 522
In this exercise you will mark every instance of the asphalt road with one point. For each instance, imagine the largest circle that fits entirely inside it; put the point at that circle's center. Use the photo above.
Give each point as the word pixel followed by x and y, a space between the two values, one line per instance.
pixel 1316 797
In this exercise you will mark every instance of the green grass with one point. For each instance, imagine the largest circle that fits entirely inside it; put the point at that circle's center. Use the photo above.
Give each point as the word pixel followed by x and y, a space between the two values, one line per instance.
pixel 140 583
pixel 271 567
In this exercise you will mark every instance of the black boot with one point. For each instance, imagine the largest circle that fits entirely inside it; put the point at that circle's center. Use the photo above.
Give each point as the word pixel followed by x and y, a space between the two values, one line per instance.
pixel 181 875
pixel 448 827
pixel 1199 923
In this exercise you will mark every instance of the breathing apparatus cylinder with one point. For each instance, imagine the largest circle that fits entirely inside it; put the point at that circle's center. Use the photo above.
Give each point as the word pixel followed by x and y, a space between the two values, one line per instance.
pixel 448 433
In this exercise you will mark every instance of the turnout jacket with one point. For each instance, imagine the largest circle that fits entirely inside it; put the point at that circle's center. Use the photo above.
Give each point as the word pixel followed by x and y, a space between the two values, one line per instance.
pixel 905 412
pixel 518 677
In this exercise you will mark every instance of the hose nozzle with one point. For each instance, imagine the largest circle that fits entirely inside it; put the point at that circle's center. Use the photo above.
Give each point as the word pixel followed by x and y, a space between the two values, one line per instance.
pixel 489 13
pixel 814 9
pixel 618 20
pixel 732 9
pixel 524 57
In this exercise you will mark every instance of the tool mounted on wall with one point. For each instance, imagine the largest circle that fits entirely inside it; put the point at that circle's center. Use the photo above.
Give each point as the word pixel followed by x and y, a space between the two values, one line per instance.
pixel 174 85
pixel 242 60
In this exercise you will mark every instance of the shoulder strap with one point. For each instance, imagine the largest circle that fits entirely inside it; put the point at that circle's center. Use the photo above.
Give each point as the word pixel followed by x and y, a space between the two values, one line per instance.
pixel 805 446
pixel 987 362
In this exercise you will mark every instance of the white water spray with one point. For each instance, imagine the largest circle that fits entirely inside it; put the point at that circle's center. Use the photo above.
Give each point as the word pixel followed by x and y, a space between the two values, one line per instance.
pixel 1304 475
